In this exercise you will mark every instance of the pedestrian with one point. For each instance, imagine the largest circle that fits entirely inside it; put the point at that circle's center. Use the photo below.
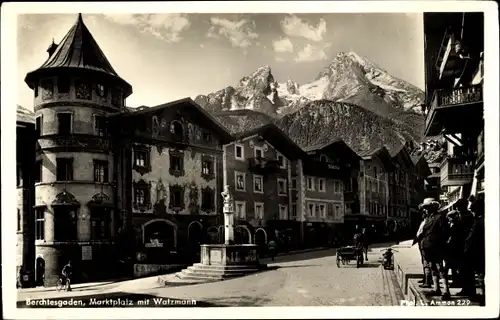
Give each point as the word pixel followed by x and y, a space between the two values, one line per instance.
pixel 272 249
pixel 454 247
pixel 366 239
pixel 434 237
pixel 427 278
pixel 474 251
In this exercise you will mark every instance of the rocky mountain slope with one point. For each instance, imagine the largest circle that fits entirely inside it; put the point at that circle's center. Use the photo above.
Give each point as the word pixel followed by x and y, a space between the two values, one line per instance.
pixel 351 98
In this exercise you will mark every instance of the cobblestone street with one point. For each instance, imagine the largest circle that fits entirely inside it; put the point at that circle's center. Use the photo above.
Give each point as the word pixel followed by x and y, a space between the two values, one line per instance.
pixel 306 279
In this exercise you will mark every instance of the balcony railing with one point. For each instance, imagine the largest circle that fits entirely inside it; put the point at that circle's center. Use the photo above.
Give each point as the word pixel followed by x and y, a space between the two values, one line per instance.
pixel 263 165
pixel 456 171
pixel 456 96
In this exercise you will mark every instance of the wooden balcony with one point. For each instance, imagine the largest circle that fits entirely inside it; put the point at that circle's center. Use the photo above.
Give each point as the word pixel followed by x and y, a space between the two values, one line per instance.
pixel 457 171
pixel 263 165
pixel 451 109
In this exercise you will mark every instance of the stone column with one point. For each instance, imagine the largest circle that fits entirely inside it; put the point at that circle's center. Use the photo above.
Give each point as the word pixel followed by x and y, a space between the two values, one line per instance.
pixel 228 215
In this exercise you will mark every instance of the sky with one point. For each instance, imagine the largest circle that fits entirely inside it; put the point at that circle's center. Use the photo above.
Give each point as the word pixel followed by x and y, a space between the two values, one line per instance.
pixel 171 56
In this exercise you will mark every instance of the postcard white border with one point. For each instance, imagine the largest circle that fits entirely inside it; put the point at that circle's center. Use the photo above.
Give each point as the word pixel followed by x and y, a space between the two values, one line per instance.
pixel 9 97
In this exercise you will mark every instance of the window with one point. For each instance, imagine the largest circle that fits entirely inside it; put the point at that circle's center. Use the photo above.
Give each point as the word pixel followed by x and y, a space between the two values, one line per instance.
pixel 101 90
pixel 322 210
pixel 311 209
pixel 336 186
pixel 281 160
pixel 240 210
pixel 19 175
pixel 38 171
pixel 207 168
pixel 63 84
pixel 294 210
pixel 177 130
pixel 207 136
pixel 64 122
pixel 294 183
pixel 240 181
pixel 65 224
pixel 316 211
pixel 38 125
pixel 141 158
pixel 238 152
pixel 338 211
pixel 100 224
pixel 259 210
pixel 207 199
pixel 101 171
pixel 348 186
pixel 18 220
pixel 100 125
pixel 40 223
pixel 321 185
pixel 310 183
pixel 283 212
pixel 374 186
pixel 176 197
pixel 64 169
pixel 140 196
pixel 176 163
pixel 259 152
pixel 281 187
pixel 258 184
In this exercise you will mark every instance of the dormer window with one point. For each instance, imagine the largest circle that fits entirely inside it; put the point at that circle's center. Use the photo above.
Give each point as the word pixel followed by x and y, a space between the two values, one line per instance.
pixel 177 130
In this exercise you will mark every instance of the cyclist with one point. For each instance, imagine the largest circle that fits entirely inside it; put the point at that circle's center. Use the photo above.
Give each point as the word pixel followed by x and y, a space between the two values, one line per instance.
pixel 67 272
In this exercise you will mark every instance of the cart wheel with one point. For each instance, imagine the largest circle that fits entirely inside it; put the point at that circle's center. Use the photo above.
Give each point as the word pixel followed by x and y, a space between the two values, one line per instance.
pixel 338 261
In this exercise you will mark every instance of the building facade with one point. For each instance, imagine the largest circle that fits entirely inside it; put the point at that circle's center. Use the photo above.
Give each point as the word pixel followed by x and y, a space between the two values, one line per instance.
pixel 330 174
pixel 375 167
pixel 399 184
pixel 263 168
pixel 454 53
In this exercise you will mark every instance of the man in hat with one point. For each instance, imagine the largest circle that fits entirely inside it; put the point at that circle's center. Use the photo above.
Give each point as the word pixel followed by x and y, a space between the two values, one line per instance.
pixel 434 237
pixel 427 280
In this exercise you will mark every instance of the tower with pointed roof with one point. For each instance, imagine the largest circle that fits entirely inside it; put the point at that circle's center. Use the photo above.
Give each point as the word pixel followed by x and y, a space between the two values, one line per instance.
pixel 75 90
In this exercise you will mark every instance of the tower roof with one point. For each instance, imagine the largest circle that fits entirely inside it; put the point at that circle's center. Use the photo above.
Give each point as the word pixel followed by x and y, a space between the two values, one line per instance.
pixel 78 49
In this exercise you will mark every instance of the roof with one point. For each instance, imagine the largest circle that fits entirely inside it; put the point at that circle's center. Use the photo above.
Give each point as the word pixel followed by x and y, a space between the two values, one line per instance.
pixel 24 115
pixel 279 139
pixel 381 153
pixel 78 49
pixel 416 158
pixel 214 124
pixel 321 146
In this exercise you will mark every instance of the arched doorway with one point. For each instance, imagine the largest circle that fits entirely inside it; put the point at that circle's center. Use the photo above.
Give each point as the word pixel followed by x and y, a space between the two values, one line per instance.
pixel 160 233
pixel 213 235
pixel 260 239
pixel 40 271
pixel 195 238
pixel 242 235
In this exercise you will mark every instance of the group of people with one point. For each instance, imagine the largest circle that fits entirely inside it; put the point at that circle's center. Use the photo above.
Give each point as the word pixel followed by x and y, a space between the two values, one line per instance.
pixel 452 241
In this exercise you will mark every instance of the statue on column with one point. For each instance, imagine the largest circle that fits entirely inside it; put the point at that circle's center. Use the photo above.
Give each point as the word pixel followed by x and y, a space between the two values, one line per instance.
pixel 228 198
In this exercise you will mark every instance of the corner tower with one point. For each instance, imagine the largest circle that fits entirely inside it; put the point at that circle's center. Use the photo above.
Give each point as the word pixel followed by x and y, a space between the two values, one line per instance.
pixel 75 90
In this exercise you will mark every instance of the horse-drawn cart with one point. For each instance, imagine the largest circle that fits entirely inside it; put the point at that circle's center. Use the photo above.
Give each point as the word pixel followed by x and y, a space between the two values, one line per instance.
pixel 348 254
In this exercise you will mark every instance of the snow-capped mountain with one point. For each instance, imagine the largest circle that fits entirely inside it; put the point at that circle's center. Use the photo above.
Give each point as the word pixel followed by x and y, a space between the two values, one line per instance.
pixel 348 90
pixel 348 78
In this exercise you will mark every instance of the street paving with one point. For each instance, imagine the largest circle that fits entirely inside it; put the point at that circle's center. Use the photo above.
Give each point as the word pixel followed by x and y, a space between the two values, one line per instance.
pixel 305 279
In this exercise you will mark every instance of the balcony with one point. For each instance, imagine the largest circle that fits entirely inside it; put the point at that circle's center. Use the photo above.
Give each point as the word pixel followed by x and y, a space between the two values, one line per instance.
pixel 263 165
pixel 457 171
pixel 451 109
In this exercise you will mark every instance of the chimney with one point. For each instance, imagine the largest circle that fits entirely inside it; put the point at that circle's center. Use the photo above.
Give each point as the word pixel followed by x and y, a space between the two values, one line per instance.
pixel 52 48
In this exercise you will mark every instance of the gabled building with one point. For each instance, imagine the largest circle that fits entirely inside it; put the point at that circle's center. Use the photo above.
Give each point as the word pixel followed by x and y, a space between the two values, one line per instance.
pixel 399 184
pixel 375 167
pixel 454 55
pixel 330 173
pixel 263 167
